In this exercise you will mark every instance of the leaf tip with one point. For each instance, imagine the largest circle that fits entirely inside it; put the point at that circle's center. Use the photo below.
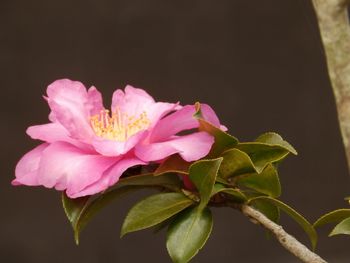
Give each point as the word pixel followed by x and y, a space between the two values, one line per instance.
pixel 198 112
pixel 123 232
pixel 125 229
pixel 331 234
pixel 292 150
pixel 76 238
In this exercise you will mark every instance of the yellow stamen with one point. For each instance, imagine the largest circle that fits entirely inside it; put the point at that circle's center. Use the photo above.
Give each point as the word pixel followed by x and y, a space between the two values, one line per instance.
pixel 120 126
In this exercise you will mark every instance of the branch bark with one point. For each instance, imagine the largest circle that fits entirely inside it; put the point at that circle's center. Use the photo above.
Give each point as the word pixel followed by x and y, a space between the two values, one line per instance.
pixel 287 241
pixel 334 28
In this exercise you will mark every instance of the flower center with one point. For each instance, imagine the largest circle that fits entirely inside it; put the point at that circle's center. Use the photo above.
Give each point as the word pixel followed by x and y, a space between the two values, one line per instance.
pixel 120 126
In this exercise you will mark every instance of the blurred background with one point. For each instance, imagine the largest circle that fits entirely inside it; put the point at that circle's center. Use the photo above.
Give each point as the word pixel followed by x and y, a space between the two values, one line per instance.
pixel 259 64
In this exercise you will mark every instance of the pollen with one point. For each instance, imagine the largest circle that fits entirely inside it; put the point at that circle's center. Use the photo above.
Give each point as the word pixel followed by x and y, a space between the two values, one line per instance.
pixel 118 126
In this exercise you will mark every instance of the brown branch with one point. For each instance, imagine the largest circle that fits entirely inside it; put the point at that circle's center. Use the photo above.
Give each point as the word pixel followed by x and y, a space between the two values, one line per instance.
pixel 334 28
pixel 287 241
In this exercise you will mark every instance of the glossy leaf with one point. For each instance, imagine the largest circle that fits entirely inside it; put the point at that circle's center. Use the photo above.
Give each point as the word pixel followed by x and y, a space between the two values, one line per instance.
pixel 173 164
pixel 188 233
pixel 268 209
pixel 203 174
pixel 73 207
pixel 191 195
pixel 262 154
pixel 267 148
pixel 223 140
pixel 333 217
pixel 235 162
pixel 274 139
pixel 222 180
pixel 154 210
pixel 167 180
pixel 162 225
pixel 343 228
pixel 234 193
pixel 308 228
pixel 267 182
pixel 81 210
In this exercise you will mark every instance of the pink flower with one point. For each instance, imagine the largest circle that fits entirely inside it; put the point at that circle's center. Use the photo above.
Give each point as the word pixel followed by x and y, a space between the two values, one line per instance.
pixel 87 148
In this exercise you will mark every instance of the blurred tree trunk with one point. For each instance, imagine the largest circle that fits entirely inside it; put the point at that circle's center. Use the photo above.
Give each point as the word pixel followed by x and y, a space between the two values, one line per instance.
pixel 334 28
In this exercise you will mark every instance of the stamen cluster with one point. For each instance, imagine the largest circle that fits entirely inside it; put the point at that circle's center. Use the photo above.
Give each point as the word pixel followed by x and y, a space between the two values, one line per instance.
pixel 120 126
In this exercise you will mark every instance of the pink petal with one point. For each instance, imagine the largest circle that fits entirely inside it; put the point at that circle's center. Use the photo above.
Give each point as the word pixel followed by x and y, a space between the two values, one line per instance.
pixel 182 120
pixel 27 167
pixel 95 104
pixel 50 132
pixel 209 115
pixel 158 110
pixel 223 127
pixel 174 123
pixel 64 166
pixel 136 101
pixel 69 102
pixel 53 132
pixel 116 148
pixel 191 147
pixel 133 101
pixel 52 117
pixel 109 178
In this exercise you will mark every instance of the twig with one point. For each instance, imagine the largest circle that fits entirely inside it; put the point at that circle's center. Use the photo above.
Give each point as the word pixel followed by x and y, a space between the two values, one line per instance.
pixel 286 240
pixel 334 27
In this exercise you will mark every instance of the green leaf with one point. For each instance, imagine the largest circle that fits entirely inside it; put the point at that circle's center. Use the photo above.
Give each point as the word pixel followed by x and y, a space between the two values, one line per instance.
pixel 167 180
pixel 223 140
pixel 267 148
pixel 267 182
pixel 154 210
pixel 203 174
pixel 234 193
pixel 274 139
pixel 188 233
pixel 235 162
pixel 342 228
pixel 162 225
pixel 308 228
pixel 222 180
pixel 73 207
pixel 268 209
pixel 333 217
pixel 191 195
pixel 80 211
pixel 173 164
pixel 262 154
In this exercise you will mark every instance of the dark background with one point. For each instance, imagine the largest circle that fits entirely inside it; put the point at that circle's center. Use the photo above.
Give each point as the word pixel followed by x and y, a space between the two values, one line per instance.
pixel 260 64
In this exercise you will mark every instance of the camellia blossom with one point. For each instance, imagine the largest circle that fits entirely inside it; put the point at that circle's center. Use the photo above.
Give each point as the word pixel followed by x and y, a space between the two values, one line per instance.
pixel 86 148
